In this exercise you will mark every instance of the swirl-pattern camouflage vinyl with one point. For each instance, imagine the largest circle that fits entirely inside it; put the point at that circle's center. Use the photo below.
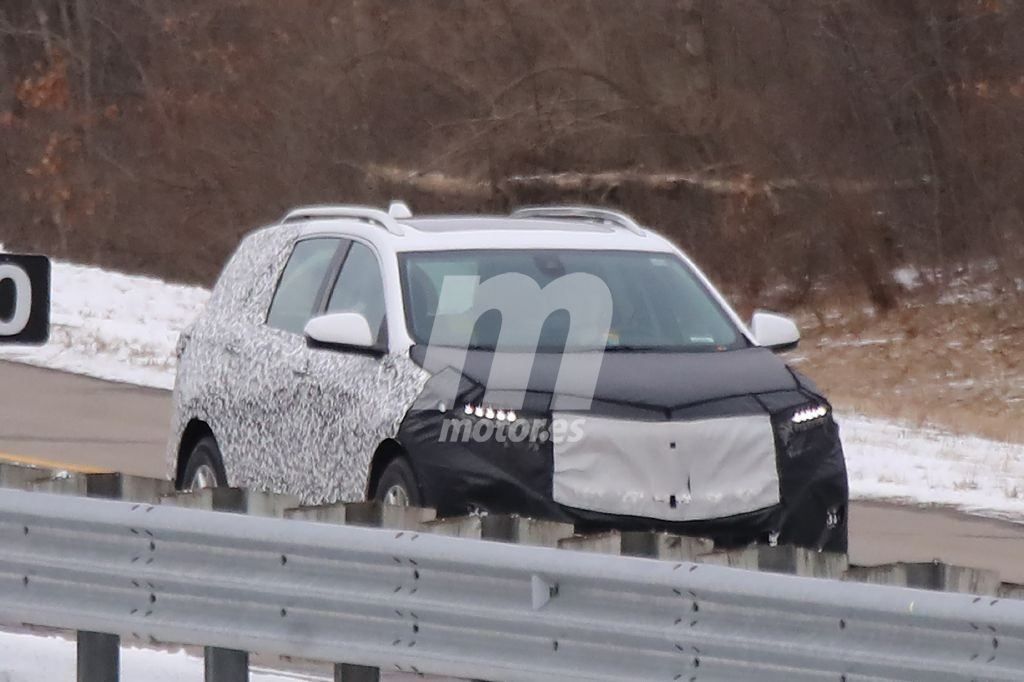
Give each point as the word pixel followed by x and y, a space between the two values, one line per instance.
pixel 287 418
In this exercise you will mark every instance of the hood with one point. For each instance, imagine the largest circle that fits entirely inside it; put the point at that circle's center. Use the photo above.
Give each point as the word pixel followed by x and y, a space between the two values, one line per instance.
pixel 662 382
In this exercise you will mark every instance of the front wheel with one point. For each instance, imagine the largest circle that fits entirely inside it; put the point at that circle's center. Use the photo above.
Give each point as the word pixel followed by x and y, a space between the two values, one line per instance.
pixel 205 468
pixel 397 485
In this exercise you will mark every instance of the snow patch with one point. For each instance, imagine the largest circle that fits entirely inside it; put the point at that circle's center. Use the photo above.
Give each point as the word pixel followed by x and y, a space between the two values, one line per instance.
pixel 907 277
pixel 856 343
pixel 31 658
pixel 891 461
pixel 113 326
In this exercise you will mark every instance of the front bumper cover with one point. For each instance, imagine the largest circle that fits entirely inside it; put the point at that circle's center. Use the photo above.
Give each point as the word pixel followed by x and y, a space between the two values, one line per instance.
pixel 507 477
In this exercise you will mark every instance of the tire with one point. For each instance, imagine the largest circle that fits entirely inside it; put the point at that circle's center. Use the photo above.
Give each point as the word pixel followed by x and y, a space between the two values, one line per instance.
pixel 397 485
pixel 205 459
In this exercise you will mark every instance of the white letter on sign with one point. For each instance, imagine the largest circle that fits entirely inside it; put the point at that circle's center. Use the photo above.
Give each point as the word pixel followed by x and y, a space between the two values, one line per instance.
pixel 22 300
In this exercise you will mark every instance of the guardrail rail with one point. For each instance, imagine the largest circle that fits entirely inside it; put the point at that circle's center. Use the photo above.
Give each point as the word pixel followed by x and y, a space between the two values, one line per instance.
pixel 414 601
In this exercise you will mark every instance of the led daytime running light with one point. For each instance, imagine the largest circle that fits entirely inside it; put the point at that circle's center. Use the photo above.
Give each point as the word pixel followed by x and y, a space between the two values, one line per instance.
pixel 809 414
pixel 495 414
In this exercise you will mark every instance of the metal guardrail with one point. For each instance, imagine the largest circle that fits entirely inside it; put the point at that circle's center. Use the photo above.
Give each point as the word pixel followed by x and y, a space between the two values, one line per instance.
pixel 410 601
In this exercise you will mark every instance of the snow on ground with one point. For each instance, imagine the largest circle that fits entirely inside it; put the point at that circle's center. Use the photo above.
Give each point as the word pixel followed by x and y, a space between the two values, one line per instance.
pixel 124 328
pixel 113 326
pixel 890 461
pixel 31 658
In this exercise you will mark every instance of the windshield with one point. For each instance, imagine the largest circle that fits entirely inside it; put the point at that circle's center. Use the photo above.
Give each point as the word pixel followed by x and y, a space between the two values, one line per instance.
pixel 657 302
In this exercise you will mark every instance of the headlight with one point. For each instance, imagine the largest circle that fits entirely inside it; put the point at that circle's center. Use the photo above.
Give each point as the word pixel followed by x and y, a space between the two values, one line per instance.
pixel 495 414
pixel 809 414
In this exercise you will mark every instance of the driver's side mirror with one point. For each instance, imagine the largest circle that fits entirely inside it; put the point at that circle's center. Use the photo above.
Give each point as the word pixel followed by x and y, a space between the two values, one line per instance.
pixel 775 332
pixel 343 331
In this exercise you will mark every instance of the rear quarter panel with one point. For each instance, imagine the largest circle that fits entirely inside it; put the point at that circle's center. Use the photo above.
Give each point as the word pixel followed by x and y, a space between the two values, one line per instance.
pixel 238 302
pixel 350 404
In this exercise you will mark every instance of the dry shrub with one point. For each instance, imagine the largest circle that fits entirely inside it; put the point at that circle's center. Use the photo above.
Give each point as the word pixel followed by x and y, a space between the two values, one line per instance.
pixel 788 145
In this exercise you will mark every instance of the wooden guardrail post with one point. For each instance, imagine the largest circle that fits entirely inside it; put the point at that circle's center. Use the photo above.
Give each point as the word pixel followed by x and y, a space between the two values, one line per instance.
pixel 648 544
pixel 667 546
pixel 1010 591
pixel 377 515
pixel 21 476
pixel 607 542
pixel 522 530
pixel 929 575
pixel 801 561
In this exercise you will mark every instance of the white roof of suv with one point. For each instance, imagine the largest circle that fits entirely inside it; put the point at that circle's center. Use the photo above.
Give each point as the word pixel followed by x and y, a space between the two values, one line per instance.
pixel 545 227
pixel 557 227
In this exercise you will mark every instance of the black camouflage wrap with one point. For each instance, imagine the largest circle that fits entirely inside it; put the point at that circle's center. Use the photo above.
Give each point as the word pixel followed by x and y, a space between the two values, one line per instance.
pixel 517 477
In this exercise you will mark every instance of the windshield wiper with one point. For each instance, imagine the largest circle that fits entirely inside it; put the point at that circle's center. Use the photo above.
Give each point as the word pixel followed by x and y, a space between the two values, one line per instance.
pixel 691 348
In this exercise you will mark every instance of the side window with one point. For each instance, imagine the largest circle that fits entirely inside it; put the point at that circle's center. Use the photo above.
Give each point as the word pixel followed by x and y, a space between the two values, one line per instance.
pixel 359 288
pixel 300 284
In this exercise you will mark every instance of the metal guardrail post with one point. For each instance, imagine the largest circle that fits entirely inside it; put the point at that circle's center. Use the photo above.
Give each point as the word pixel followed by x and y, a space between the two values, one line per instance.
pixel 364 514
pixel 375 515
pixel 346 672
pixel 99 657
pixel 99 654
pixel 227 665
pixel 371 514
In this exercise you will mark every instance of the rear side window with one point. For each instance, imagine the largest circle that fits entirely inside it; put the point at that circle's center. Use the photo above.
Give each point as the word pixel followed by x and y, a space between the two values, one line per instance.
pixel 360 289
pixel 296 297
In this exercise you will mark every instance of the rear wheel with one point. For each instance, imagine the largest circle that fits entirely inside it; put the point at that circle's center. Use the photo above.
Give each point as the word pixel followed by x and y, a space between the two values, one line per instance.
pixel 397 485
pixel 205 468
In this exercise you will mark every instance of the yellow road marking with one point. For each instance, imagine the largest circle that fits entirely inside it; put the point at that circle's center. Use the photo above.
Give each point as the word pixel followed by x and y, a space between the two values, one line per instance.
pixel 50 464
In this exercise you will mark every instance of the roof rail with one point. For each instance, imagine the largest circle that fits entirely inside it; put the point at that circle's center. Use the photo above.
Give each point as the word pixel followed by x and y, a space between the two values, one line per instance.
pixel 399 210
pixel 364 213
pixel 594 213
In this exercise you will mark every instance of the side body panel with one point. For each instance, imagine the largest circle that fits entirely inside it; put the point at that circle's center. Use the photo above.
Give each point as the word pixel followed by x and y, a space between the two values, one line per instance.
pixel 342 408
pixel 206 386
pixel 287 418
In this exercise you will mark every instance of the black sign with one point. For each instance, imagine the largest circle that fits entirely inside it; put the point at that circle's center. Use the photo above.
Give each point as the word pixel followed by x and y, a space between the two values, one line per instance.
pixel 24 299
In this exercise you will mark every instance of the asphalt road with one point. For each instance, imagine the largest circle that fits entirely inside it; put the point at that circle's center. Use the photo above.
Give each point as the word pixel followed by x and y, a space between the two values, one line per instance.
pixel 69 421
